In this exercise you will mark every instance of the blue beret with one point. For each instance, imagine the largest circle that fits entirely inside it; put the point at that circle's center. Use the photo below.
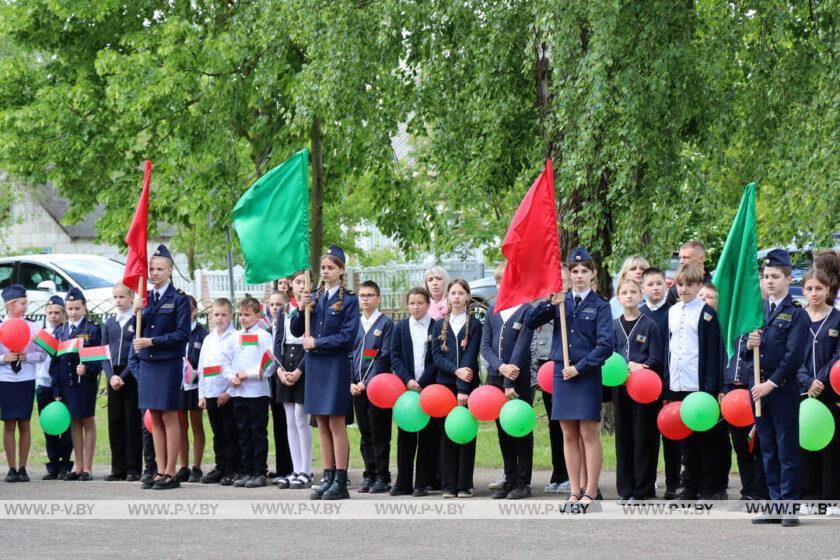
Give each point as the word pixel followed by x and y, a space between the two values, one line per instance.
pixel 75 294
pixel 14 291
pixel 337 252
pixel 580 254
pixel 777 257
pixel 162 251
pixel 55 300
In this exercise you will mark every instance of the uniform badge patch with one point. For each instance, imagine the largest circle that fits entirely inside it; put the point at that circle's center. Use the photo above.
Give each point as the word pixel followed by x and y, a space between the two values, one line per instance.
pixel 784 317
pixel 590 310
pixel 197 345
pixel 168 306
pixel 377 332
pixel 707 316
pixel 641 339
pixel 833 332
pixel 517 326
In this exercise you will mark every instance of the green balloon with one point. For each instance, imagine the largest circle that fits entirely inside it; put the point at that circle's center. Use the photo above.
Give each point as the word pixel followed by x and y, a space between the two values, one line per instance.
pixel 55 418
pixel 460 425
pixel 699 411
pixel 407 412
pixel 615 371
pixel 816 425
pixel 517 418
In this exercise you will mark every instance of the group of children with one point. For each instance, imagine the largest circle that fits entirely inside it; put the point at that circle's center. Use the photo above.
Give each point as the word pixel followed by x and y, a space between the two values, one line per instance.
pixel 311 359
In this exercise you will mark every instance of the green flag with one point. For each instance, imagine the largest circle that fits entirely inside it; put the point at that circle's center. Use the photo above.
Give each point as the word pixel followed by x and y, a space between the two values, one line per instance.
pixel 740 310
pixel 272 221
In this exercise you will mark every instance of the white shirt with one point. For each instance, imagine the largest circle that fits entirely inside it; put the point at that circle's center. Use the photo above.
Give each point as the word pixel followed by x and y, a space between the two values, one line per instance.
pixel 34 356
pixel 419 337
pixel 236 358
pixel 683 320
pixel 211 355
pixel 581 295
pixel 655 306
pixel 124 318
pixel 42 371
pixel 161 290
pixel 367 323
pixel 506 314
pixel 290 338
pixel 457 322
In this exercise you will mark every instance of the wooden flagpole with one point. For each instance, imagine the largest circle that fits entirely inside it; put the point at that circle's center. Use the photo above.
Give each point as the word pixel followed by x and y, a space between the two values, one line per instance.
pixel 563 334
pixel 757 378
pixel 139 314
pixel 308 309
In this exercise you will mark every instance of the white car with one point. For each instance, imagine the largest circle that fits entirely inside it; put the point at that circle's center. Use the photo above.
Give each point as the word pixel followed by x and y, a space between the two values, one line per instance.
pixel 53 274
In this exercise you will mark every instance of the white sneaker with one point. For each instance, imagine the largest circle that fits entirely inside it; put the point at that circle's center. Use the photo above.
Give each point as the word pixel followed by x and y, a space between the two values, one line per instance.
pixel 497 484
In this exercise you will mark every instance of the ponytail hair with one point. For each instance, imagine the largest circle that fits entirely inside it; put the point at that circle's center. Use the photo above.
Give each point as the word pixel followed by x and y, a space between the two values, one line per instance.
pixel 339 304
pixel 444 332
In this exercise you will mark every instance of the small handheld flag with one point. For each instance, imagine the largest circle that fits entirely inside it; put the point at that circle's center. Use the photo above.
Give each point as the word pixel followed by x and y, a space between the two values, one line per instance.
pixel 94 354
pixel 212 371
pixel 189 372
pixel 47 342
pixel 69 346
pixel 368 354
pixel 249 340
pixel 265 363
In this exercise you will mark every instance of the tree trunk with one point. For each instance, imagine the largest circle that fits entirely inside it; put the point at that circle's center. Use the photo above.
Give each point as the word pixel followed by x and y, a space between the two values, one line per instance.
pixel 316 200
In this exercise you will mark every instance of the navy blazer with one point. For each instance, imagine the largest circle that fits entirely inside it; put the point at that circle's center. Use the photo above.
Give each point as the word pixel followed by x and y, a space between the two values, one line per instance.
pixel 507 343
pixel 660 317
pixel 167 323
pixel 643 345
pixel 118 339
pixel 402 355
pixel 783 342
pixel 334 331
pixel 279 334
pixel 197 336
pixel 456 357
pixel 65 366
pixel 377 339
pixel 590 331
pixel 710 354
pixel 821 352
pixel 734 373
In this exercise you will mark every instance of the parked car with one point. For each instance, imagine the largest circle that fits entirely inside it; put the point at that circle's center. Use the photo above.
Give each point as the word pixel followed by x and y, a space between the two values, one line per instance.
pixel 483 291
pixel 45 275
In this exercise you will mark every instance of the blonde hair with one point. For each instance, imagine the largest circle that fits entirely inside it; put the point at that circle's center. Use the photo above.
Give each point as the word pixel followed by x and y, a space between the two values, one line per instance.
pixel 630 281
pixel 630 262
pixel 500 271
pixel 120 286
pixel 689 274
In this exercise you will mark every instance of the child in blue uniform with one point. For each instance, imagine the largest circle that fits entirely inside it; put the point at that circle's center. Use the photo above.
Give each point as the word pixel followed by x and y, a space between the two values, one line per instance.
pixel 17 387
pixel 456 340
pixel 283 466
pixel 577 388
pixel 637 339
pixel 335 323
pixel 192 414
pixel 782 345
pixel 76 383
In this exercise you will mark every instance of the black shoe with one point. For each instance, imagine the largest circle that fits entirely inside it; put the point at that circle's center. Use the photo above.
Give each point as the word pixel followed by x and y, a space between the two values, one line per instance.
pixel 318 491
pixel 272 474
pixel 148 484
pixel 72 476
pixel 670 495
pixel 622 500
pixel 148 476
pixel 50 476
pixel 183 474
pixel 766 519
pixel 12 476
pixel 399 492
pixel 790 520
pixel 213 477
pixel 62 475
pixel 22 475
pixel 714 496
pixel 132 477
pixel 256 481
pixel 241 482
pixel 114 477
pixel 195 475
pixel 85 477
pixel 519 492
pixel 420 492
pixel 338 489
pixel 366 484
pixel 380 486
pixel 687 495
pixel 168 482
pixel 502 492
pixel 229 479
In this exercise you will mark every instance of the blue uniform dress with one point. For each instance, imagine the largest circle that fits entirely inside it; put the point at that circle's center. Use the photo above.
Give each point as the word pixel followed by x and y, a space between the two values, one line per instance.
pixel 77 392
pixel 590 344
pixel 17 388
pixel 328 366
pixel 161 371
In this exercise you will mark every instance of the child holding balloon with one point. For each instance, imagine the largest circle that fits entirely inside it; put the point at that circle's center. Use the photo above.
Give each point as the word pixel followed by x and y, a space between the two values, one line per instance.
pixel 455 345
pixel 636 437
pixel 18 360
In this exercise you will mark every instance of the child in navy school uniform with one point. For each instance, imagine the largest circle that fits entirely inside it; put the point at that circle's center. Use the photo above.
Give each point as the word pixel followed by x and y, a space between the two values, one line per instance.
pixel 76 383
pixel 637 339
pixel 371 356
pixel 821 469
pixel 192 414
pixel 124 418
pixel 506 347
pixel 782 345
pixel 283 465
pixel 455 345
pixel 695 364
pixel 411 359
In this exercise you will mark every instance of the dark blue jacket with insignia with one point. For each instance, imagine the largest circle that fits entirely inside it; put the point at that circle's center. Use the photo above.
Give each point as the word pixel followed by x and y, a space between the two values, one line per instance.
pixel 119 342
pixel 377 339
pixel 167 323
pixel 822 350
pixel 402 355
pixel 507 343
pixel 455 357
pixel 643 345
pixel 64 367
pixel 783 342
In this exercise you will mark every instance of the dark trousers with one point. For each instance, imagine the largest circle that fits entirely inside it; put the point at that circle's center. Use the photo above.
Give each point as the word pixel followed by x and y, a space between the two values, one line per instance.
pixel 820 470
pixel 251 416
pixel 778 430
pixel 225 436
pixel 672 455
pixel 750 467
pixel 457 462
pixel 59 448
pixel 559 474
pixel 148 447
pixel 702 452
pixel 375 429
pixel 124 427
pixel 517 452
pixel 636 446
pixel 282 455
pixel 425 444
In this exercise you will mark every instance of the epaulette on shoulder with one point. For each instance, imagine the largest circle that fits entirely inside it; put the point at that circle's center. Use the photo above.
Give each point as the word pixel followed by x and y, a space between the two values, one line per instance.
pixel 796 303
pixel 95 322
pixel 349 292
pixel 180 291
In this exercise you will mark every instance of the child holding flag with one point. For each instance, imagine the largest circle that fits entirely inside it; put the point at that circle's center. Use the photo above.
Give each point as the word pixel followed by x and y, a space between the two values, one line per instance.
pixel 75 375
pixel 189 403
pixel 246 358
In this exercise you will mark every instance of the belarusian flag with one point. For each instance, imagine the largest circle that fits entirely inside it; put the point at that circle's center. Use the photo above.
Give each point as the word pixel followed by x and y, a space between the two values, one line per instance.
pixel 46 341
pixel 249 340
pixel 189 372
pixel 368 354
pixel 69 346
pixel 264 364
pixel 94 353
pixel 272 221
pixel 212 371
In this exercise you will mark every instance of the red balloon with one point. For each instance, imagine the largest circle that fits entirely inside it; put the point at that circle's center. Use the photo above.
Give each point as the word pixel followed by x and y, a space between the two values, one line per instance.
pixel 486 402
pixel 147 421
pixel 670 424
pixel 644 386
pixel 834 377
pixel 436 400
pixel 384 390
pixel 15 334
pixel 545 377
pixel 736 408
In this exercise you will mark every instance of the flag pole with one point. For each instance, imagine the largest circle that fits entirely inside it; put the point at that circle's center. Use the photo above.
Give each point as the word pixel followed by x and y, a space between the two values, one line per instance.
pixel 563 334
pixel 757 378
pixel 139 314
pixel 307 310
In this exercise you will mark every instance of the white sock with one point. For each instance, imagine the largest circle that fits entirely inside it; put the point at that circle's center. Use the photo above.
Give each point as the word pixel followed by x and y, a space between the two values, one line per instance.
pixel 303 437
pixel 292 433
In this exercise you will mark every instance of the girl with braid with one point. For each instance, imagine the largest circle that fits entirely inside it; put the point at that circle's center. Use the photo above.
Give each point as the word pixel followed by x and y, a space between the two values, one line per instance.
pixel 334 324
pixel 455 343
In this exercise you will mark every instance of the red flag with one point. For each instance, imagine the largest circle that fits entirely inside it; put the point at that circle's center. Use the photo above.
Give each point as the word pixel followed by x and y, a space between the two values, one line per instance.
pixel 136 262
pixel 532 247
